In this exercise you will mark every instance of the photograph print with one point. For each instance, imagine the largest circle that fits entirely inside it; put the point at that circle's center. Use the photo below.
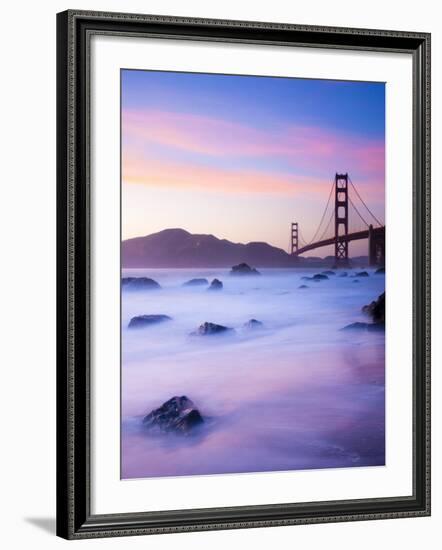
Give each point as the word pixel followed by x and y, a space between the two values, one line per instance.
pixel 252 274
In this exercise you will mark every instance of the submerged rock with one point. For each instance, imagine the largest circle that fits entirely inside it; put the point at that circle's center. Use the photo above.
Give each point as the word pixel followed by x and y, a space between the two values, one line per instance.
pixel 196 282
pixel 178 415
pixel 356 326
pixel 356 281
pixel 244 269
pixel 320 277
pixel 380 271
pixel 209 329
pixel 139 283
pixel 362 274
pixel 142 321
pixel 343 274
pixel 328 272
pixel 303 286
pixel 215 285
pixel 253 323
pixel 376 310
pixel 363 326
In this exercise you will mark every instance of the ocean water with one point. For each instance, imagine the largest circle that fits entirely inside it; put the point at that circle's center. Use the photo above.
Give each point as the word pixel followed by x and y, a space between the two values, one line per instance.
pixel 298 393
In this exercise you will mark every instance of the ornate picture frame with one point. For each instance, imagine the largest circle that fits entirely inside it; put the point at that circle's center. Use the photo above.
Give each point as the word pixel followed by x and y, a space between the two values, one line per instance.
pixel 75 519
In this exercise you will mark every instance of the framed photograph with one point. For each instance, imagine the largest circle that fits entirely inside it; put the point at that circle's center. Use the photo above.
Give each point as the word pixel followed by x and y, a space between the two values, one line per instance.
pixel 243 274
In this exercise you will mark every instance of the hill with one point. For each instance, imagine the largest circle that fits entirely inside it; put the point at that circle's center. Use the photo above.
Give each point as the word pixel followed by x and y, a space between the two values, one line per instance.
pixel 179 248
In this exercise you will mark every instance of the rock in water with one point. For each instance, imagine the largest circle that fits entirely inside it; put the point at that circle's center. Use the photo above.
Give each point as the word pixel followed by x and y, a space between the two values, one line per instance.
pixel 196 282
pixel 253 323
pixel 380 271
pixel 320 277
pixel 376 310
pixel 328 272
pixel 343 274
pixel 362 274
pixel 356 280
pixel 208 329
pixel 363 326
pixel 244 269
pixel 142 321
pixel 178 415
pixel 139 283
pixel 303 286
pixel 215 285
pixel 355 326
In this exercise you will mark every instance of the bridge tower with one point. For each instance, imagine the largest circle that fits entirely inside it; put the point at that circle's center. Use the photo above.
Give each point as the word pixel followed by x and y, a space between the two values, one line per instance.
pixel 294 238
pixel 341 219
pixel 376 246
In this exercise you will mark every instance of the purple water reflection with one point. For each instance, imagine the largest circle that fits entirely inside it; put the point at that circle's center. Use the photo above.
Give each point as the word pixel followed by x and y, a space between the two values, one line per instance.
pixel 298 394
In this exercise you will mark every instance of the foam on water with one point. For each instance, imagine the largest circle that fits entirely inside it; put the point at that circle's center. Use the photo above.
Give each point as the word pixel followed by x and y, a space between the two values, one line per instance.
pixel 295 394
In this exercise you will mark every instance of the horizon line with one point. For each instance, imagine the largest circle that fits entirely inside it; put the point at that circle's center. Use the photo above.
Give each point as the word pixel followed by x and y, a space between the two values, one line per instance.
pixel 233 242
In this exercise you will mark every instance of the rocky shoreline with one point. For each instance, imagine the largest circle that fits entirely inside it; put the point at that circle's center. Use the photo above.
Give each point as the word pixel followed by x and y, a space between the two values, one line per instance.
pixel 179 415
pixel 376 311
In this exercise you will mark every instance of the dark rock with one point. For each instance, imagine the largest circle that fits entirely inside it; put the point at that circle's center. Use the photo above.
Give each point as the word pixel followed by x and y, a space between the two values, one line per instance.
pixel 356 326
pixel 215 285
pixel 380 271
pixel 303 286
pixel 328 272
pixel 178 415
pixel 253 323
pixel 320 277
pixel 376 310
pixel 362 274
pixel 372 327
pixel 209 329
pixel 305 278
pixel 343 274
pixel 356 281
pixel 142 321
pixel 139 283
pixel 244 269
pixel 196 282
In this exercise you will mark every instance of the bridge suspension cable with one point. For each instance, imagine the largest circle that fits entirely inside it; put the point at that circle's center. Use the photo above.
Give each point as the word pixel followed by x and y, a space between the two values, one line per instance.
pixel 301 238
pixel 363 202
pixel 357 212
pixel 323 215
pixel 327 226
pixel 360 223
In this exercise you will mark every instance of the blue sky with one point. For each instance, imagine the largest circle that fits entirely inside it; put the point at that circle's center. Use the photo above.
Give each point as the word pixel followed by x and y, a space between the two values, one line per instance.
pixel 237 141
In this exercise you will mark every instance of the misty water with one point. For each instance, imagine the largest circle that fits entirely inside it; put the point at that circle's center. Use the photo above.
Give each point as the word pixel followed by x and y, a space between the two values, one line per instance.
pixel 298 393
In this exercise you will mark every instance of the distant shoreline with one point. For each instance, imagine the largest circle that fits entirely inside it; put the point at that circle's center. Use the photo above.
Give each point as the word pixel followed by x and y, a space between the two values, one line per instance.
pixel 353 264
pixel 178 249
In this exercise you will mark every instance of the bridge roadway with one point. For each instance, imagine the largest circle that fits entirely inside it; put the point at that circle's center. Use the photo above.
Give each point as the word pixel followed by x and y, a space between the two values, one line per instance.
pixel 357 236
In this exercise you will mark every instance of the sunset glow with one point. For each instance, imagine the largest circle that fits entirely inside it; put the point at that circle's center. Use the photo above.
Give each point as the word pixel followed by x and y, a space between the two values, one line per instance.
pixel 250 208
pixel 243 157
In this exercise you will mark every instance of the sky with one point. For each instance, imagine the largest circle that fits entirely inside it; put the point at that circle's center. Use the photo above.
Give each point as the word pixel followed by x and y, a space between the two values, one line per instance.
pixel 241 157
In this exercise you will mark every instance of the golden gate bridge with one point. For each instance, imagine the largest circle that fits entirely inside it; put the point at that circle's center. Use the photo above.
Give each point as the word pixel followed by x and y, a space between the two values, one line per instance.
pixel 334 226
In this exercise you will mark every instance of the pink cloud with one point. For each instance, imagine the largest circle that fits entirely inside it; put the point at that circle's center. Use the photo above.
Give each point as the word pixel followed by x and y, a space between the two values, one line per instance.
pixel 148 170
pixel 300 146
pixel 196 133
